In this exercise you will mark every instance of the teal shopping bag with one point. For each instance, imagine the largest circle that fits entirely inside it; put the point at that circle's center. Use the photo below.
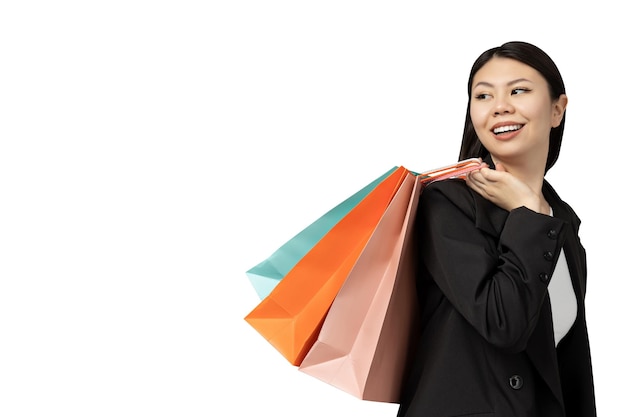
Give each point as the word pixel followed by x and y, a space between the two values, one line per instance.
pixel 268 273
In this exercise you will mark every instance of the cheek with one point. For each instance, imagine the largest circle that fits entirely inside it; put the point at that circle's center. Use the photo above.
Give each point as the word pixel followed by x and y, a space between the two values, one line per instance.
pixel 477 117
pixel 473 114
pixel 541 111
pixel 542 118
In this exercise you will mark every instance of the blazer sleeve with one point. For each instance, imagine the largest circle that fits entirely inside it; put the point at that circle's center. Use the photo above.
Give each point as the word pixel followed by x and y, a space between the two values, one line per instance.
pixel 496 277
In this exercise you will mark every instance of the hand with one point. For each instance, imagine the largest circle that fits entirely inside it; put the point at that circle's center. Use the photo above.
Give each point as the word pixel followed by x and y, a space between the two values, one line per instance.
pixel 504 190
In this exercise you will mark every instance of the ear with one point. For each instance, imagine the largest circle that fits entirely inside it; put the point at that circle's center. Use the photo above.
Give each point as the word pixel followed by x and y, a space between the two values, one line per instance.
pixel 558 110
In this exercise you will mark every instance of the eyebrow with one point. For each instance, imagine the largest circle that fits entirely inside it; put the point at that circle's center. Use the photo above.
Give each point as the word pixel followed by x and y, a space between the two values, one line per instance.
pixel 486 84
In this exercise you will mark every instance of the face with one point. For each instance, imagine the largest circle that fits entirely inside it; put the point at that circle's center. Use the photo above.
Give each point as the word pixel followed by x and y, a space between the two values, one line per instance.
pixel 512 111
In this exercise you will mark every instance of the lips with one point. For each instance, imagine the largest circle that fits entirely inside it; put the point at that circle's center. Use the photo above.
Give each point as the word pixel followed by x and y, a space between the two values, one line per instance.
pixel 504 128
pixel 506 131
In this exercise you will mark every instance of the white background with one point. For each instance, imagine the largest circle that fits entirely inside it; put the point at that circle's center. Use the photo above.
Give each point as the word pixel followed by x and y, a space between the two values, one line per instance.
pixel 153 151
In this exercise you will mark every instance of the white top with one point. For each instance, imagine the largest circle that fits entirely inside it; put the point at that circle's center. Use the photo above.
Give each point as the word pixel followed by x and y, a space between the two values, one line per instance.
pixel 562 298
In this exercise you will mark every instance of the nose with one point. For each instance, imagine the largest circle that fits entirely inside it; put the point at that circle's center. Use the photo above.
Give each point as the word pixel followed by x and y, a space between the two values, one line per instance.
pixel 502 106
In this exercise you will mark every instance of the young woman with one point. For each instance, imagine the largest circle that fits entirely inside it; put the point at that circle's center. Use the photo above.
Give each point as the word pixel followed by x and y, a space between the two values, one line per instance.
pixel 502 272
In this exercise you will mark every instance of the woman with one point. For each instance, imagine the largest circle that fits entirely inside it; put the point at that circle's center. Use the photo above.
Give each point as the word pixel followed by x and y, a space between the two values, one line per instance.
pixel 502 273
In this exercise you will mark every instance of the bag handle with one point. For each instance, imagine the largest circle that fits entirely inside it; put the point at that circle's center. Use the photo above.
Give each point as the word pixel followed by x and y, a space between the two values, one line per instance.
pixel 457 170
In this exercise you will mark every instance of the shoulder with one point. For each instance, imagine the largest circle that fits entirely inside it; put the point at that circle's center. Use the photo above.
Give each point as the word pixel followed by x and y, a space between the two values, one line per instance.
pixel 451 191
pixel 453 201
pixel 447 199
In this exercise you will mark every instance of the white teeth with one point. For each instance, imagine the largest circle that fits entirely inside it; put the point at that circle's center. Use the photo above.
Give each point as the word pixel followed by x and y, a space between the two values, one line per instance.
pixel 509 128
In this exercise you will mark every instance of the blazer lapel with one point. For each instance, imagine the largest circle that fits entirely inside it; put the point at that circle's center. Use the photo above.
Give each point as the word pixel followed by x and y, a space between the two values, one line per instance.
pixel 540 350
pixel 571 246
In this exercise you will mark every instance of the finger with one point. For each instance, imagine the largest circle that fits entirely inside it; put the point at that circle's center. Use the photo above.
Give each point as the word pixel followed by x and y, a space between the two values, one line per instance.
pixel 475 177
pixel 492 175
pixel 483 175
pixel 477 182
pixel 473 185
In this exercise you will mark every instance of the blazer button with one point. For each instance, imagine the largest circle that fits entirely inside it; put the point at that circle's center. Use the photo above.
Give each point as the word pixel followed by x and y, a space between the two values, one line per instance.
pixel 544 277
pixel 552 234
pixel 516 382
pixel 548 255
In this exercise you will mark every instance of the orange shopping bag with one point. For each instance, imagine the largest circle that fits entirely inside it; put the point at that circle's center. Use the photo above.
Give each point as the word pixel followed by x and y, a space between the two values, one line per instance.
pixel 291 315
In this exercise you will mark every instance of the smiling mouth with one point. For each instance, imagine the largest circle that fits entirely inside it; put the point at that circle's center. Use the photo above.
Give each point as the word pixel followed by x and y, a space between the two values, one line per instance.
pixel 505 129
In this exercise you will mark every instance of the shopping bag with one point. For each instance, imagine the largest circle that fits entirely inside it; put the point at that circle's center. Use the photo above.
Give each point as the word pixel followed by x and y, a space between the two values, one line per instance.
pixel 292 313
pixel 365 338
pixel 265 275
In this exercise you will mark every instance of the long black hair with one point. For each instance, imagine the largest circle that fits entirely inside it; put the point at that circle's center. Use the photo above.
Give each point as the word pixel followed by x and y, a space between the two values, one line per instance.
pixel 529 54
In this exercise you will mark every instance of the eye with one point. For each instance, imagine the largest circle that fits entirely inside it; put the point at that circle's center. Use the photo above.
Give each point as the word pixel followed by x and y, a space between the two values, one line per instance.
pixel 481 96
pixel 519 90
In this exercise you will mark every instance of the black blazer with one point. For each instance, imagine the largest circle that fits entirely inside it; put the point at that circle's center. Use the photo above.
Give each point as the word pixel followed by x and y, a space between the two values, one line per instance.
pixel 486 343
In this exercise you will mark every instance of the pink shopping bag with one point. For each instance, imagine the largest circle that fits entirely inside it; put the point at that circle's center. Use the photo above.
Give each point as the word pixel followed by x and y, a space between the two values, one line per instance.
pixel 363 343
